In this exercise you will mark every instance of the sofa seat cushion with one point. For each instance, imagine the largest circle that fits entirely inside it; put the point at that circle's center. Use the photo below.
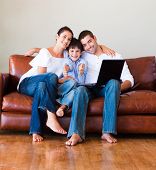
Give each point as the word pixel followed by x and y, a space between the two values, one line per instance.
pixel 17 102
pixel 138 102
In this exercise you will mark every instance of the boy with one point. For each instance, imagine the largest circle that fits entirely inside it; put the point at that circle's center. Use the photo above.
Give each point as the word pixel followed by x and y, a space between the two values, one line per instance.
pixel 75 68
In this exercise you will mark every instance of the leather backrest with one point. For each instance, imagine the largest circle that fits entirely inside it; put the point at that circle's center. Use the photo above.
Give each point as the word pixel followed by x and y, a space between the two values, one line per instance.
pixel 18 65
pixel 143 70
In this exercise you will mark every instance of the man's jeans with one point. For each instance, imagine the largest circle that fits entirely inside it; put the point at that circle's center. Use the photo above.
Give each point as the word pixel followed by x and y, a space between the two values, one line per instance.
pixel 111 94
pixel 43 88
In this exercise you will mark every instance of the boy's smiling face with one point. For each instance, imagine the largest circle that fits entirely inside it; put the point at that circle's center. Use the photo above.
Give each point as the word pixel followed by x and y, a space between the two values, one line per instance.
pixel 74 53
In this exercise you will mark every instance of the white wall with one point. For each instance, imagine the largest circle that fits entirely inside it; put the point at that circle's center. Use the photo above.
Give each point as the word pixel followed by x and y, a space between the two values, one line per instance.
pixel 128 26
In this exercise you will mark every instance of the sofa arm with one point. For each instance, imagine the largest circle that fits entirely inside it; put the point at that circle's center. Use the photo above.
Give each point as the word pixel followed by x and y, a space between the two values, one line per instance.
pixel 4 82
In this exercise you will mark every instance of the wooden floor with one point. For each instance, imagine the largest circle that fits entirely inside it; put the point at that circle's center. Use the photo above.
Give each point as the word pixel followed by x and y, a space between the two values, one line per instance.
pixel 132 152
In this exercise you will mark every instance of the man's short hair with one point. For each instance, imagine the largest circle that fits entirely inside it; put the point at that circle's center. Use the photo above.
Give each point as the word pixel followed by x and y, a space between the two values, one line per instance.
pixel 84 33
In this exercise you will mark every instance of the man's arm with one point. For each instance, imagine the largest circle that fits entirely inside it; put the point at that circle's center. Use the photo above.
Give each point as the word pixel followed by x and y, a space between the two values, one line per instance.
pixel 32 51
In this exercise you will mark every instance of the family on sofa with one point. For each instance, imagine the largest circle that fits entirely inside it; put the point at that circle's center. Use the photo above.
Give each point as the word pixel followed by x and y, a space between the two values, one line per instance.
pixel 41 82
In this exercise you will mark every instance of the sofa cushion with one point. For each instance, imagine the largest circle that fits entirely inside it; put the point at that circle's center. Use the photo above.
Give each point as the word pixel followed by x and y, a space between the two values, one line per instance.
pixel 138 102
pixel 17 102
pixel 143 70
pixel 18 65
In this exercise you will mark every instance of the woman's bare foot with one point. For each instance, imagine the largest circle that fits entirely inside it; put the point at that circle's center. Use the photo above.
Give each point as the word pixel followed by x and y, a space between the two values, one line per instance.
pixel 108 137
pixel 37 138
pixel 75 139
pixel 60 111
pixel 53 123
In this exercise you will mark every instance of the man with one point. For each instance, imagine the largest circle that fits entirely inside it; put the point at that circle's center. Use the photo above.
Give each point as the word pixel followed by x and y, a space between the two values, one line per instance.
pixel 94 54
pixel 111 91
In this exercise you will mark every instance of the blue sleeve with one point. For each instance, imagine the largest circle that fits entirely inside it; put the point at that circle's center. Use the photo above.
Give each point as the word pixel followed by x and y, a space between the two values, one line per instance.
pixel 82 78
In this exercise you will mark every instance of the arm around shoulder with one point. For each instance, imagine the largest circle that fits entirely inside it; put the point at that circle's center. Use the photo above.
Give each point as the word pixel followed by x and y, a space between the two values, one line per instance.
pixel 32 51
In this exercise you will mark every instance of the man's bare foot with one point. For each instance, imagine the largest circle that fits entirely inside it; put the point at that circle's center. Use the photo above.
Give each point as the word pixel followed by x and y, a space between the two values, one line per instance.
pixel 37 138
pixel 60 111
pixel 75 139
pixel 53 123
pixel 108 137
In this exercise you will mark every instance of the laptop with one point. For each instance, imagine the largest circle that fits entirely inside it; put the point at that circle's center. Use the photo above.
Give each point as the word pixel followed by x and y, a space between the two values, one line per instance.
pixel 110 69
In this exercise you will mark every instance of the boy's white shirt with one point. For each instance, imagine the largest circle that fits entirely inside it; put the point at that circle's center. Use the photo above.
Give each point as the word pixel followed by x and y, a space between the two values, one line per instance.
pixel 94 63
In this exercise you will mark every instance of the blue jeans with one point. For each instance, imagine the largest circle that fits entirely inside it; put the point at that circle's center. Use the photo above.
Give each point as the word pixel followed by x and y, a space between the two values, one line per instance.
pixel 79 110
pixel 66 92
pixel 43 89
pixel 111 94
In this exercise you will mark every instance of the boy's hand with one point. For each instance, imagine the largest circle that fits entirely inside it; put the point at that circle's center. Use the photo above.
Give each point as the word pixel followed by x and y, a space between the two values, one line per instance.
pixel 81 68
pixel 65 70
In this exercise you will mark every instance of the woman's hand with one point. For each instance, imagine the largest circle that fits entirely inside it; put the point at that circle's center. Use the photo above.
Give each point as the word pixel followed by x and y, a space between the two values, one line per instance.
pixel 107 50
pixel 62 80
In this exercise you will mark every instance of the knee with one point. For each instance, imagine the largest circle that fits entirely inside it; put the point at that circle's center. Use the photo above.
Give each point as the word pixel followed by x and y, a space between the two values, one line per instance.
pixel 52 77
pixel 113 84
pixel 71 83
pixel 41 87
pixel 82 90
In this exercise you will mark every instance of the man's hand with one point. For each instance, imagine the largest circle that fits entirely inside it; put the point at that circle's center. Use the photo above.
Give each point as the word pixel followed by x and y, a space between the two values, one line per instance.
pixel 125 85
pixel 107 50
pixel 32 51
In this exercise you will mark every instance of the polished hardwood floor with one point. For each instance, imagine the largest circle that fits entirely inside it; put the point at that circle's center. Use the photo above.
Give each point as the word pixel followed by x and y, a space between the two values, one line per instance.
pixel 132 152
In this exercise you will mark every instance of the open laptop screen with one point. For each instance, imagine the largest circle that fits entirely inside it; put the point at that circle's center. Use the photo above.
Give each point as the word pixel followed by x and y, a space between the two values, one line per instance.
pixel 110 69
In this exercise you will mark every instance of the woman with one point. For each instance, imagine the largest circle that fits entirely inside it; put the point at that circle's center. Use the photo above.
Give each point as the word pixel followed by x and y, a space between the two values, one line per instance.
pixel 41 82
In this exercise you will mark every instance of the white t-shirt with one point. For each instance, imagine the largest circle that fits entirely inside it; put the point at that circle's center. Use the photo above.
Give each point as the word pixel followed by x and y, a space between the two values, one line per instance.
pixel 45 59
pixel 94 64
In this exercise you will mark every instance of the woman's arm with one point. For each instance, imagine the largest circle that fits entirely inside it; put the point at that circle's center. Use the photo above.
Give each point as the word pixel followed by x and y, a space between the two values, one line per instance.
pixel 107 50
pixel 32 51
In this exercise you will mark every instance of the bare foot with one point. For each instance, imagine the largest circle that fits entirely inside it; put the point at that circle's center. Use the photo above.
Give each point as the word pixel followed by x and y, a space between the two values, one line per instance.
pixel 75 139
pixel 53 123
pixel 60 111
pixel 37 138
pixel 108 137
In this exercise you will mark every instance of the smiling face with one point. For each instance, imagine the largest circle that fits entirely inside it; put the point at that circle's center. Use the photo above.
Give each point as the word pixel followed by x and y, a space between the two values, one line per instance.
pixel 63 39
pixel 89 44
pixel 74 53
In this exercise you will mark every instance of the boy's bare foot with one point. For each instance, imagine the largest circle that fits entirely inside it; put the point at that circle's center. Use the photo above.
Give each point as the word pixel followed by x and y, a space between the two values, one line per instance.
pixel 60 111
pixel 108 137
pixel 53 123
pixel 74 140
pixel 37 138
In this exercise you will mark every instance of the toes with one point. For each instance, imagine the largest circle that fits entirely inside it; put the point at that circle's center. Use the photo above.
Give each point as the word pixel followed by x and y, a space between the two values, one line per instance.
pixel 109 138
pixel 37 138
pixel 68 143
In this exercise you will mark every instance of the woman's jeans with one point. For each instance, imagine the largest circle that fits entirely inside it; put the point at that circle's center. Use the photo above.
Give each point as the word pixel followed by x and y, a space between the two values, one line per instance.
pixel 43 88
pixel 111 94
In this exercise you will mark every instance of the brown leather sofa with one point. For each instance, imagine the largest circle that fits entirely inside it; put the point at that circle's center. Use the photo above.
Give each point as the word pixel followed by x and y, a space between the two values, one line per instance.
pixel 137 108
